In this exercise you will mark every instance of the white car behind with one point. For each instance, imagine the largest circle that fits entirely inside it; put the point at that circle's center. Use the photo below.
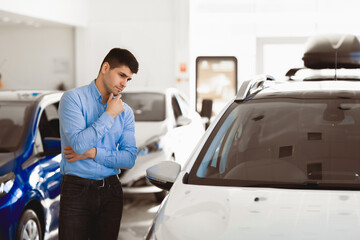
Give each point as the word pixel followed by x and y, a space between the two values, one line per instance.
pixel 165 129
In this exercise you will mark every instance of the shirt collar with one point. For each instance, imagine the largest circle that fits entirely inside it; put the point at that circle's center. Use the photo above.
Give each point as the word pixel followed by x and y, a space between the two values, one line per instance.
pixel 95 91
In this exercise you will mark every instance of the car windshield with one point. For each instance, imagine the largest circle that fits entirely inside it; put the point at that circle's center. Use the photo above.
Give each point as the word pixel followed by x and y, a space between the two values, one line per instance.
pixel 284 142
pixel 13 119
pixel 146 106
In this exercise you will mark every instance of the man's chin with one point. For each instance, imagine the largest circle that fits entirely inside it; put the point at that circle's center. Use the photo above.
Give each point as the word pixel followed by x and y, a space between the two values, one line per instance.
pixel 116 93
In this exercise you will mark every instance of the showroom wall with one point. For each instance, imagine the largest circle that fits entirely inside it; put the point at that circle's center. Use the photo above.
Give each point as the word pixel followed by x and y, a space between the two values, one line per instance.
pixel 233 27
pixel 36 58
pixel 146 28
pixel 264 35
pixel 155 31
pixel 37 42
pixel 78 34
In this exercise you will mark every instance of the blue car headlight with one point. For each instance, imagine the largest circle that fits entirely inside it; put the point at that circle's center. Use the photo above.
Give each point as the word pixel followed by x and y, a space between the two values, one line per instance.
pixel 6 183
pixel 152 146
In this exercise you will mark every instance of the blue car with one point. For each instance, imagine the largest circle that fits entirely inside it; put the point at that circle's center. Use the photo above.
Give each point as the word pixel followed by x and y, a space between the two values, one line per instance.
pixel 29 164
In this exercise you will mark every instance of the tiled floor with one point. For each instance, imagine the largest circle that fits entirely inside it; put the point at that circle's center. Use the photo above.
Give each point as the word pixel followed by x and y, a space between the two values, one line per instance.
pixel 139 211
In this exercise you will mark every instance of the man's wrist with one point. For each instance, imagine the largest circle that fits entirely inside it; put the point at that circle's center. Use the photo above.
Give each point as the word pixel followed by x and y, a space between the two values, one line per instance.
pixel 91 153
pixel 95 151
pixel 113 116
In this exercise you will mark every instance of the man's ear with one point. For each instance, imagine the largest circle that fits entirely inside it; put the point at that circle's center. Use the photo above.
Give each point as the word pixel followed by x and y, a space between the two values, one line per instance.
pixel 105 67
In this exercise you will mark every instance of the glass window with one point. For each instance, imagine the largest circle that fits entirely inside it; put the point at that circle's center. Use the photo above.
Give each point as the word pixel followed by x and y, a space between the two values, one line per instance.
pixel 282 141
pixel 13 122
pixel 49 122
pixel 51 112
pixel 146 106
pixel 176 107
pixel 184 105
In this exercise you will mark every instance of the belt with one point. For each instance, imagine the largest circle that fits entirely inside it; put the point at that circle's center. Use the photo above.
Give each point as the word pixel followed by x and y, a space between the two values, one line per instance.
pixel 99 183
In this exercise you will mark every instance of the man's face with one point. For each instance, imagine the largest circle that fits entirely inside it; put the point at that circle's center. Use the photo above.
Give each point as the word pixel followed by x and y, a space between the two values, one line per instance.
pixel 115 80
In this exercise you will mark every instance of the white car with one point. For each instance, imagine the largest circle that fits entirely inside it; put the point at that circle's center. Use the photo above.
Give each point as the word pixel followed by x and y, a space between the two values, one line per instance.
pixel 165 129
pixel 280 162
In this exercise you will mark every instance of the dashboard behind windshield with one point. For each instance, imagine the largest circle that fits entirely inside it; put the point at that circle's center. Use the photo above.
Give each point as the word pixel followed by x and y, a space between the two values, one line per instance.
pixel 283 141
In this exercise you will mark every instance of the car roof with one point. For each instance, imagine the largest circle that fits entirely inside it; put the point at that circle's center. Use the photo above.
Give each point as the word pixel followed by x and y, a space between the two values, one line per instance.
pixel 312 89
pixel 25 95
pixel 264 86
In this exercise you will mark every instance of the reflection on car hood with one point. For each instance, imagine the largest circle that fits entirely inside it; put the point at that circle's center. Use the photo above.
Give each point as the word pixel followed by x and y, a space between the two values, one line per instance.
pixel 204 212
pixel 145 131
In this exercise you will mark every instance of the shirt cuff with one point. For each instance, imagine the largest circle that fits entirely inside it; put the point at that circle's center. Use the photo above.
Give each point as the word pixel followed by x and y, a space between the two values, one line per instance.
pixel 100 155
pixel 107 120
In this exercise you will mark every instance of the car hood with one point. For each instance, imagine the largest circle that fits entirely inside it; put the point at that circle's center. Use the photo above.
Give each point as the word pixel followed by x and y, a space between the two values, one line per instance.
pixel 203 212
pixel 146 131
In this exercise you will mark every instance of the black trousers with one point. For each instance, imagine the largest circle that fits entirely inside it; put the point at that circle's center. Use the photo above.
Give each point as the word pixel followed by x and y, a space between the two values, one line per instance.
pixel 90 209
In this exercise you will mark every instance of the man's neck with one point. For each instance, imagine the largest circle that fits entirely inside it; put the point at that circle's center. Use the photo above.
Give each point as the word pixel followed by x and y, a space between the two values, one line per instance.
pixel 100 86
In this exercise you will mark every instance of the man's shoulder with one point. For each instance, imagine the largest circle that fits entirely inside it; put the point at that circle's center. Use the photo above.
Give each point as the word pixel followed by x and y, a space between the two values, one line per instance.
pixel 77 92
pixel 80 90
pixel 128 109
pixel 128 113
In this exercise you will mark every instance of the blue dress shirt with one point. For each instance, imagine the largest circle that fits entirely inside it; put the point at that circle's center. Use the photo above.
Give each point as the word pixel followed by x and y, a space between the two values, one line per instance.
pixel 85 124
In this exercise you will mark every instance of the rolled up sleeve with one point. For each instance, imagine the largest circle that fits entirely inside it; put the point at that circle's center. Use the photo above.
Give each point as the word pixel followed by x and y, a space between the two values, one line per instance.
pixel 125 155
pixel 73 124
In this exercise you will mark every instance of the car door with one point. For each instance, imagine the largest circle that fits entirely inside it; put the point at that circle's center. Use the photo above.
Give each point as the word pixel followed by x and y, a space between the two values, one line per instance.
pixel 48 142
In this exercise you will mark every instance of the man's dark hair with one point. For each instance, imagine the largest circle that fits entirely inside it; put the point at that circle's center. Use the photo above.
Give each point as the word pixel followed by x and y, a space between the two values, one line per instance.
pixel 118 57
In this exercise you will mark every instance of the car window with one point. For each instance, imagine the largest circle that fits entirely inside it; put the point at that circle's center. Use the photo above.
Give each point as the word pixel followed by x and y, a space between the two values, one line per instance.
pixel 51 111
pixel 146 106
pixel 49 122
pixel 14 118
pixel 176 107
pixel 183 104
pixel 283 140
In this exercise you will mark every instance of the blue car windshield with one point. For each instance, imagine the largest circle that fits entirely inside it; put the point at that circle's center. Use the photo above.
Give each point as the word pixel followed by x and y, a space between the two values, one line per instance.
pixel 146 106
pixel 13 120
pixel 283 141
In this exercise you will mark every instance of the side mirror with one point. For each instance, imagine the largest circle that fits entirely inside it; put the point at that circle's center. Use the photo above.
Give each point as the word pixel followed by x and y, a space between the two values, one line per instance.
pixel 206 111
pixel 205 121
pixel 52 146
pixel 182 121
pixel 164 174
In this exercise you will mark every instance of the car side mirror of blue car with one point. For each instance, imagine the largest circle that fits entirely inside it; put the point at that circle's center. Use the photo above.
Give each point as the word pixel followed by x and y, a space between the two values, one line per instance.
pixel 163 174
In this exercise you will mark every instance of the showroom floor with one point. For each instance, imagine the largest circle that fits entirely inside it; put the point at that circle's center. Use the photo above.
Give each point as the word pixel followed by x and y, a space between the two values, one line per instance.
pixel 139 211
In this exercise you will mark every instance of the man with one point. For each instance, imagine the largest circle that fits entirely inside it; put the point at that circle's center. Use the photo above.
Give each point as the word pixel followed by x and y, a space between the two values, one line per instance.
pixel 97 139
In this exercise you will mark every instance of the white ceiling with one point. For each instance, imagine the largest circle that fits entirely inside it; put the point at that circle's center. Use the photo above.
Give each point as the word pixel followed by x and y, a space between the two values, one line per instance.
pixel 8 19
